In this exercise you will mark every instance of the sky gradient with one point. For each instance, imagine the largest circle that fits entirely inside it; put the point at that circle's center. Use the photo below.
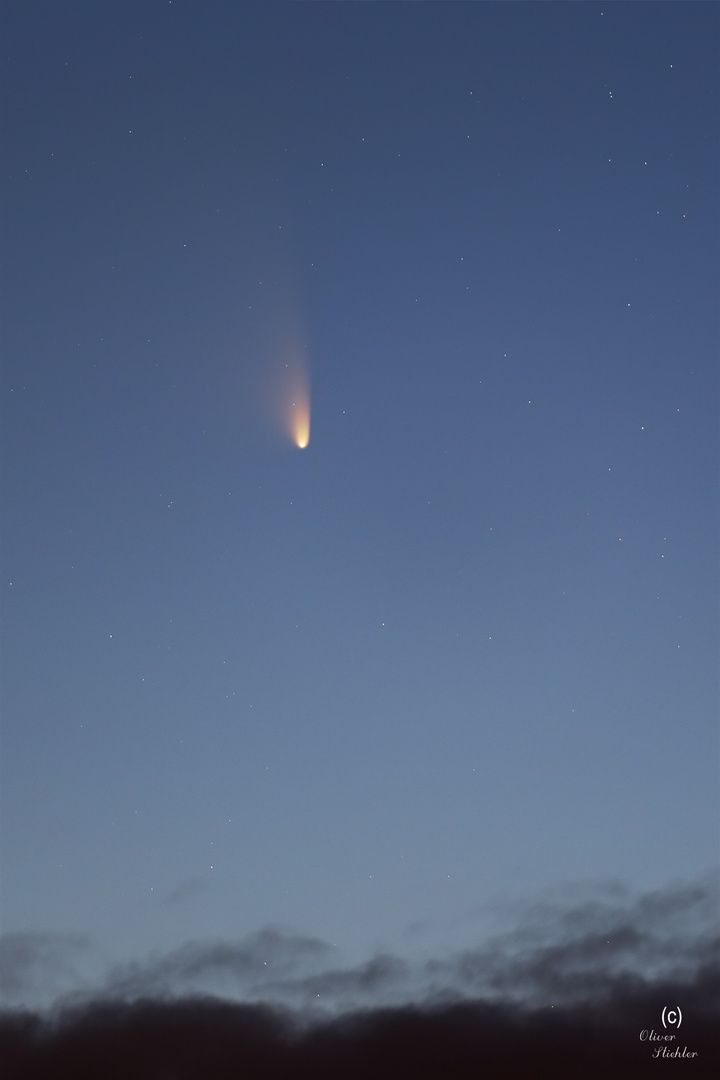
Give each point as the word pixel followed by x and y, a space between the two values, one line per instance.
pixel 463 646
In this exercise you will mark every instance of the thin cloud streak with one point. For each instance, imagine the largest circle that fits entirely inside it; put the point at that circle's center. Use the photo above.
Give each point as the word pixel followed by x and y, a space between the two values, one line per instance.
pixel 568 954
pixel 556 953
pixel 36 968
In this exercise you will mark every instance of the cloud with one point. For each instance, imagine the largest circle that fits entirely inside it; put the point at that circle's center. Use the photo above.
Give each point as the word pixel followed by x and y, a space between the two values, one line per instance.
pixel 568 991
pixel 40 966
pixel 578 952
pixel 261 959
pixel 555 952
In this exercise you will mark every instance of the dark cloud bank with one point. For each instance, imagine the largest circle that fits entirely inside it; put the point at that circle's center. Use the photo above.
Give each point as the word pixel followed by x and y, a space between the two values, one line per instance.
pixel 582 991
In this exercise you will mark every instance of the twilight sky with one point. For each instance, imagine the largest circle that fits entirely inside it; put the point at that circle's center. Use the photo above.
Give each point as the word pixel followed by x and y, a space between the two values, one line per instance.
pixel 464 645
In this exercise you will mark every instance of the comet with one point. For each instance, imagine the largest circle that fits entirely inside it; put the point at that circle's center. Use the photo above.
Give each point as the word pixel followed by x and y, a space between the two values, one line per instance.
pixel 300 420
pixel 297 390
pixel 288 390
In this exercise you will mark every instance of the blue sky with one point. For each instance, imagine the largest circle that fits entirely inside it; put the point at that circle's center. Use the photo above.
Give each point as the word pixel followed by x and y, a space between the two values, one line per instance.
pixel 464 645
